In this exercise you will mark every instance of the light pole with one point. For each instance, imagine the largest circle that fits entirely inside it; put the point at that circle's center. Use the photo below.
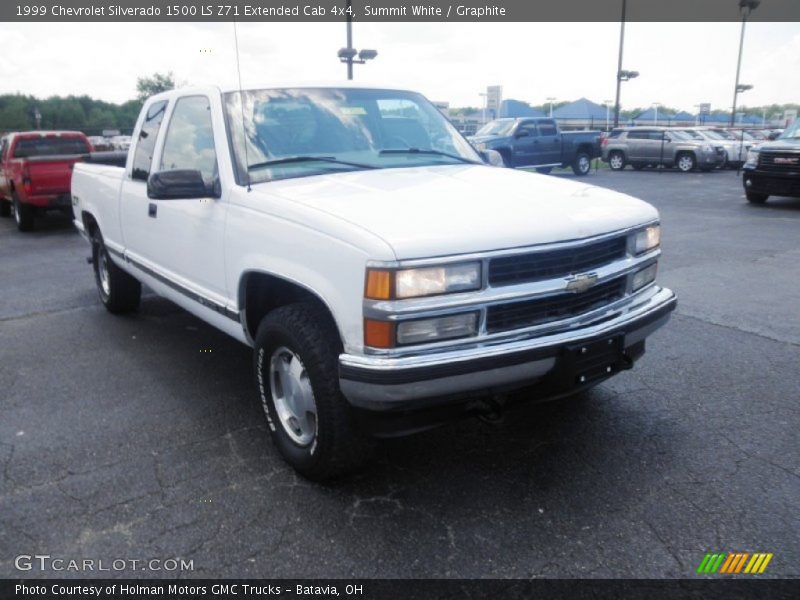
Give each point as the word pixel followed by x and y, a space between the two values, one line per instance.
pixel 485 97
pixel 655 116
pixel 742 87
pixel 607 104
pixel 622 75
pixel 745 7
pixel 348 54
pixel 551 100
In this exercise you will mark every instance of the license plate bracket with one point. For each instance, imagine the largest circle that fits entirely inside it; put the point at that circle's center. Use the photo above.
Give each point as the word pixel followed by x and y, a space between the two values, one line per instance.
pixel 590 361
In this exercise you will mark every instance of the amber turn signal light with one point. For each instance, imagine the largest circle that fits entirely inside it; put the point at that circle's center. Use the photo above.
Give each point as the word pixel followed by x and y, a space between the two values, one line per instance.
pixel 379 284
pixel 378 334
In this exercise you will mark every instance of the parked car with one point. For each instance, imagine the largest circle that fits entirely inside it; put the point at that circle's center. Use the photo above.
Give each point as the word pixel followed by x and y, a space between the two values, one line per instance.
pixel 735 152
pixel 773 168
pixel 358 243
pixel 120 142
pixel 100 144
pixel 538 142
pixel 35 172
pixel 652 146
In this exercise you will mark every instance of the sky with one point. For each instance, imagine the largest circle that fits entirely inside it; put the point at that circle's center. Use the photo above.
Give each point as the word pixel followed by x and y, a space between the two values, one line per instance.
pixel 681 64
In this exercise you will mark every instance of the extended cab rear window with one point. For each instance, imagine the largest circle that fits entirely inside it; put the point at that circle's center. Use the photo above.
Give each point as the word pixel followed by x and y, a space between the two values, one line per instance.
pixel 50 146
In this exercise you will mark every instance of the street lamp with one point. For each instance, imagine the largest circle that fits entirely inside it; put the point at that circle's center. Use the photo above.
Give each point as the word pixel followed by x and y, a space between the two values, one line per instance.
pixel 655 116
pixel 485 97
pixel 607 104
pixel 348 54
pixel 745 7
pixel 622 75
pixel 551 100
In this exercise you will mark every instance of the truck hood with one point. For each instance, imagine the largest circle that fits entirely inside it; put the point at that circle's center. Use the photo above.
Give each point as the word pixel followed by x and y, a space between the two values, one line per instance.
pixel 447 210
pixel 780 146
pixel 484 139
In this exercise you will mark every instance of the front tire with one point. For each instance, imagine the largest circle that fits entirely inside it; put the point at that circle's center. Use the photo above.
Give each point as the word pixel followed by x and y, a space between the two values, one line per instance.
pixel 616 160
pixel 754 198
pixel 23 214
pixel 119 292
pixel 686 162
pixel 582 164
pixel 296 366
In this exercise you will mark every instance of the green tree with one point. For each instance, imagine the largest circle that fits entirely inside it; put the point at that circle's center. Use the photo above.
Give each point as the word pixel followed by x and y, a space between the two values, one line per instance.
pixel 155 84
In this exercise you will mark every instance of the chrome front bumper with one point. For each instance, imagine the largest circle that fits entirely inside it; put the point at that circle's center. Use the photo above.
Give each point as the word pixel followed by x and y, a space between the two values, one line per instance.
pixel 383 383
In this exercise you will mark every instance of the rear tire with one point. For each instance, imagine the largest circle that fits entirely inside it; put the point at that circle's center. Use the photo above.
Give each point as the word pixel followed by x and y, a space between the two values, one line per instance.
pixel 616 160
pixel 582 164
pixel 296 363
pixel 754 198
pixel 23 214
pixel 119 292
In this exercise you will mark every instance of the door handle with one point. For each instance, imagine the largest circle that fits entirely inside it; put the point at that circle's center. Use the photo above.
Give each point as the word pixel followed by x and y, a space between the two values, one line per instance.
pixel 152 210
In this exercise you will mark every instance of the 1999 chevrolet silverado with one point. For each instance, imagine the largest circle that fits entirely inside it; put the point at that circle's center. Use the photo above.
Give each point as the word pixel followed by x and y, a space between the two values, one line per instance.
pixel 386 277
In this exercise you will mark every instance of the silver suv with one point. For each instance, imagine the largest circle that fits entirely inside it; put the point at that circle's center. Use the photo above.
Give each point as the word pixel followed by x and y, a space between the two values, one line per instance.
pixel 652 146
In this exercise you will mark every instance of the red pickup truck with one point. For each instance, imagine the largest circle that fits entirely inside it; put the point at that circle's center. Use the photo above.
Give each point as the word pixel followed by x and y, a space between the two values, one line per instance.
pixel 36 171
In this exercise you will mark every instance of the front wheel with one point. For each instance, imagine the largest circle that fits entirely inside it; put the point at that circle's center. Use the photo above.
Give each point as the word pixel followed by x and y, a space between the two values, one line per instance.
pixel 119 292
pixel 754 198
pixel 582 164
pixel 296 366
pixel 616 160
pixel 686 162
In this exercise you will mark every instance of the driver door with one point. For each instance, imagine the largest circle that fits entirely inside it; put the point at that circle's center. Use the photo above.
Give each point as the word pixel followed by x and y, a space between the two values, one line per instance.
pixel 525 143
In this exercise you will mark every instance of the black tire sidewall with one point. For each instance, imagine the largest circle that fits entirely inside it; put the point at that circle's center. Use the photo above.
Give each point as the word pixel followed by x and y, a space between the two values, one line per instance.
pixel 99 247
pixel 576 165
pixel 692 158
pixel 272 335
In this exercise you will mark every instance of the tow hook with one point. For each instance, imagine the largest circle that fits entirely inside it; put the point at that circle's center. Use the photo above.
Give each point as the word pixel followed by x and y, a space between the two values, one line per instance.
pixel 626 363
pixel 492 409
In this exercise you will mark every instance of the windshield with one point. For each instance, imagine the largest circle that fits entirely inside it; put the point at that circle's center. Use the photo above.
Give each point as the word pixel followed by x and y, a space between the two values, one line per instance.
pixel 497 127
pixel 792 132
pixel 328 130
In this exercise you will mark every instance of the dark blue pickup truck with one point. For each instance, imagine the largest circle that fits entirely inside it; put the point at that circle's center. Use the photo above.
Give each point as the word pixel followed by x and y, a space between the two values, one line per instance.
pixel 537 142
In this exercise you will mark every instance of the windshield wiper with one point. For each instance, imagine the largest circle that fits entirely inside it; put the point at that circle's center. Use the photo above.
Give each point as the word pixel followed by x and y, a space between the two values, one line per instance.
pixel 298 159
pixel 433 152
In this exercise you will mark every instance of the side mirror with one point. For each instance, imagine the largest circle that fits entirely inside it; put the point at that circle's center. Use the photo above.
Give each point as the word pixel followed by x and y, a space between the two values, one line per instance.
pixel 522 134
pixel 492 158
pixel 179 184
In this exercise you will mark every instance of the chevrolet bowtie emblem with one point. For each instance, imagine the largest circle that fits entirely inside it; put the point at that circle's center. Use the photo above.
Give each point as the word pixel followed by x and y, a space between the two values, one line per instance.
pixel 581 283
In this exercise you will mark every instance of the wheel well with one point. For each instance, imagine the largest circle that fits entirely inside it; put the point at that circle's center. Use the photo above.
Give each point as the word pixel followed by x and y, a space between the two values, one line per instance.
pixel 89 223
pixel 261 293
pixel 586 148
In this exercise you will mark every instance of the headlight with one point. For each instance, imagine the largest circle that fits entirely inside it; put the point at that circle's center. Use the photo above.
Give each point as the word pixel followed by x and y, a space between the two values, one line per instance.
pixel 432 330
pixel 385 284
pixel 752 158
pixel 644 276
pixel 647 239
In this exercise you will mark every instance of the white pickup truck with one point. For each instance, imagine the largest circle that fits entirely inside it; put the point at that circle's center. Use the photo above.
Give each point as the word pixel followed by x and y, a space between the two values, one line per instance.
pixel 387 278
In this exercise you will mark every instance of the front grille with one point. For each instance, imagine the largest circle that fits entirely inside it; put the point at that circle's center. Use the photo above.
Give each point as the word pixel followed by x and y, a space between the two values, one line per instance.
pixel 781 162
pixel 551 264
pixel 516 315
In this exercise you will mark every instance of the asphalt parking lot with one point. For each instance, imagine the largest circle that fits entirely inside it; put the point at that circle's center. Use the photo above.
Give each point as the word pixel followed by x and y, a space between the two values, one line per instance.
pixel 140 437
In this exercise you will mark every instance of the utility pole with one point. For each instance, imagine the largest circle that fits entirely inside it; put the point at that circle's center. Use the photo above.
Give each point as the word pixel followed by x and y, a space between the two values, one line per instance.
pixel 619 62
pixel 746 7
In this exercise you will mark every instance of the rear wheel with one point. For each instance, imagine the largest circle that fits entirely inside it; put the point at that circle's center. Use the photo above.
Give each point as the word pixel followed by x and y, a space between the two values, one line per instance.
pixel 119 292
pixel 582 164
pixel 616 160
pixel 296 365
pixel 23 214
pixel 756 198
pixel 686 162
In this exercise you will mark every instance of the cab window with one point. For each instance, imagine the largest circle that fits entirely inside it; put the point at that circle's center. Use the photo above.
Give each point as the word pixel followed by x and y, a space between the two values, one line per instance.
pixel 146 142
pixel 547 128
pixel 189 143
pixel 529 127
